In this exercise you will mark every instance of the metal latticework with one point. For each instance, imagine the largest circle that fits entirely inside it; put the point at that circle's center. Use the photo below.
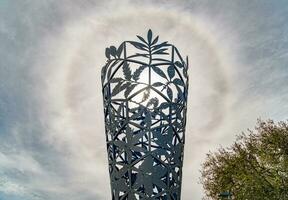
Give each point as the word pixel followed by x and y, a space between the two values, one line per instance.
pixel 145 86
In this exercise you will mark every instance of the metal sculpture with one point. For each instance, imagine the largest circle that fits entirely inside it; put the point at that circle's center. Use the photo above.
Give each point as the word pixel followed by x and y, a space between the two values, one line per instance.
pixel 145 86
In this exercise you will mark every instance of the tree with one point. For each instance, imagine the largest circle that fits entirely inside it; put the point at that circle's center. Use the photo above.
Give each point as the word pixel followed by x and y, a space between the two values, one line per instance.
pixel 255 167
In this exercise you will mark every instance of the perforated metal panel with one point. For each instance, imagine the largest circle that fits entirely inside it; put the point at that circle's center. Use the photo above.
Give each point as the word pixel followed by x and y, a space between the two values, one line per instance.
pixel 145 86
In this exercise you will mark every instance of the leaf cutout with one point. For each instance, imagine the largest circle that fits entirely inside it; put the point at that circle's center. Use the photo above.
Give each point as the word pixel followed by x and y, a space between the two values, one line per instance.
pixel 107 53
pixel 113 51
pixel 142 39
pixel 115 80
pixel 138 149
pixel 171 71
pixel 103 73
pixel 137 137
pixel 129 90
pixel 124 86
pixel 120 49
pixel 155 40
pixel 119 110
pixel 110 68
pixel 148 119
pixel 180 95
pixel 159 182
pixel 109 72
pixel 119 88
pixel 116 89
pixel 121 172
pixel 178 81
pixel 159 71
pixel 121 186
pixel 148 185
pixel 164 105
pixel 160 51
pixel 157 84
pixel 158 46
pixel 120 144
pixel 163 53
pixel 147 165
pixel 139 45
pixel 129 136
pixel 138 114
pixel 169 93
pixel 146 55
pixel 138 71
pixel 127 71
pixel 161 59
pixel 149 36
pixel 179 64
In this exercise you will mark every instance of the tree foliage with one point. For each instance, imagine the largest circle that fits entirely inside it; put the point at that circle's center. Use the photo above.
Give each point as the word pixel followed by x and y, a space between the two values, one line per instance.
pixel 255 167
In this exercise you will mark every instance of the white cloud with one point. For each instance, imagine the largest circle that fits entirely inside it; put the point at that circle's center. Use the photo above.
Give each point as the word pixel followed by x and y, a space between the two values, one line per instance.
pixel 68 123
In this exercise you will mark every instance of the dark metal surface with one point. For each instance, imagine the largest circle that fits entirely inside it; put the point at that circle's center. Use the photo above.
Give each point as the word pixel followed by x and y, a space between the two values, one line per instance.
pixel 145 86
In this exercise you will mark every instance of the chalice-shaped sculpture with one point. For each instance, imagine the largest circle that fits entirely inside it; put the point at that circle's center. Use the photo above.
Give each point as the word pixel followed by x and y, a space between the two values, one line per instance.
pixel 145 87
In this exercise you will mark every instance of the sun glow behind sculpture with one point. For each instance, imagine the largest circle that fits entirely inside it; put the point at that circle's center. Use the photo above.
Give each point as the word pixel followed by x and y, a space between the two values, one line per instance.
pixel 74 105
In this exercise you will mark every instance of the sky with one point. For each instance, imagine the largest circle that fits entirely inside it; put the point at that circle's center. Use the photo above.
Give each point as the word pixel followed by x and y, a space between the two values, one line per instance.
pixel 52 139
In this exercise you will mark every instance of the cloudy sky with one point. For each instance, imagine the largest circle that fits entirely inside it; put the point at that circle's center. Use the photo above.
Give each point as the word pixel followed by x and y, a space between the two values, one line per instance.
pixel 52 142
